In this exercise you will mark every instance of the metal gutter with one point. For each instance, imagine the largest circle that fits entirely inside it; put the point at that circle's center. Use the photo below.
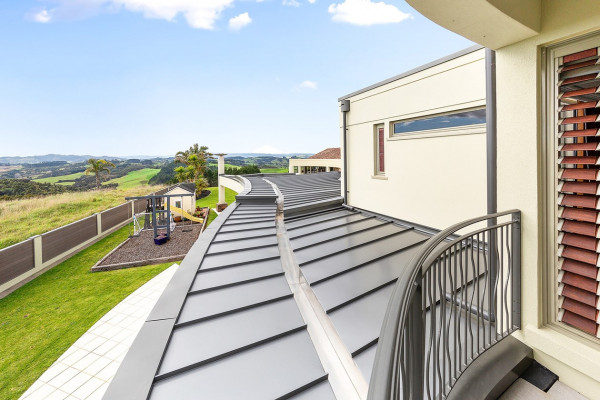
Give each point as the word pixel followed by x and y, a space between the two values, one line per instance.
pixel 346 380
pixel 491 132
pixel 143 358
pixel 415 70
pixel 345 108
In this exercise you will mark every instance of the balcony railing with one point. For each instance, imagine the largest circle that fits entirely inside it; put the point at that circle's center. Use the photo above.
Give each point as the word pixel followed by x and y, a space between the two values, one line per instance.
pixel 459 296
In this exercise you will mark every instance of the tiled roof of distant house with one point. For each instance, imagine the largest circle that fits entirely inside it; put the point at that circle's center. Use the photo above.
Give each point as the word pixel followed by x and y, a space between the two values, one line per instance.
pixel 331 153
pixel 190 187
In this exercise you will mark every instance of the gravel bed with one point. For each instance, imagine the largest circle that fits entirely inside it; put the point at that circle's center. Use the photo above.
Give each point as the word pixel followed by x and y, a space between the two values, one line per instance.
pixel 143 248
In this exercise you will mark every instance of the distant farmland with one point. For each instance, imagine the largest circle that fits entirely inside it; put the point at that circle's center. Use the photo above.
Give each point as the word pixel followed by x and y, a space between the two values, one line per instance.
pixel 135 178
pixel 55 179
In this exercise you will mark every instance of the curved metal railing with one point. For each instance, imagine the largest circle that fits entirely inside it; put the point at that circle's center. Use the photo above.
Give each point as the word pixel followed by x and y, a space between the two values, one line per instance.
pixel 458 296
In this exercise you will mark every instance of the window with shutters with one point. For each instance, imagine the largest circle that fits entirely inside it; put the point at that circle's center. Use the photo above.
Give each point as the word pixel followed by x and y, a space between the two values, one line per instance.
pixel 379 150
pixel 576 120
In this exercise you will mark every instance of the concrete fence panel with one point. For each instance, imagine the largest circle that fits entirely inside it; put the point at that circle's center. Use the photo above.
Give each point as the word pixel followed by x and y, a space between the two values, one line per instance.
pixel 58 241
pixel 115 216
pixel 16 260
pixel 140 206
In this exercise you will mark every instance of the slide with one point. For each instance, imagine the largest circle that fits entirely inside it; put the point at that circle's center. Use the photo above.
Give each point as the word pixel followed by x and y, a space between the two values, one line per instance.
pixel 186 214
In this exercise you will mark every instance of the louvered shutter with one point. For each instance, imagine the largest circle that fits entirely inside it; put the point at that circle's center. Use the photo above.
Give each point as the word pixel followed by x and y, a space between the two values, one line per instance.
pixel 578 80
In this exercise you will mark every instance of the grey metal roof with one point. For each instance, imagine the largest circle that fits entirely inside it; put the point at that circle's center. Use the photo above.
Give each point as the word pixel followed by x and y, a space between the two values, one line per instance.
pixel 233 322
pixel 415 70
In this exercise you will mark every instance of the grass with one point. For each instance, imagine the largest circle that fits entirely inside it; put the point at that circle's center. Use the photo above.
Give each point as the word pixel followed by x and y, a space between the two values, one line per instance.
pixel 55 179
pixel 21 219
pixel 212 199
pixel 135 178
pixel 41 320
pixel 274 170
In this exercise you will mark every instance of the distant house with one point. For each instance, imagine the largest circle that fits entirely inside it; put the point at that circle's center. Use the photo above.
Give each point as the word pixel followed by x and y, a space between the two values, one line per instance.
pixel 324 161
pixel 186 203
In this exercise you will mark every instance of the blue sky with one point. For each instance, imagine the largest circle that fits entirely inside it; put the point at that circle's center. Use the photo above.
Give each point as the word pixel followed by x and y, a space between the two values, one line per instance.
pixel 133 77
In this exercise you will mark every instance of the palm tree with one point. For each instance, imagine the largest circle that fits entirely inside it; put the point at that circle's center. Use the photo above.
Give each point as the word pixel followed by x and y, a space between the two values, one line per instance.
pixel 197 150
pixel 97 167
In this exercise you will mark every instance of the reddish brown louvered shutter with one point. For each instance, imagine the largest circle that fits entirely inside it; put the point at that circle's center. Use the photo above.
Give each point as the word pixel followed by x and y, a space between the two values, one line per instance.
pixel 380 149
pixel 578 189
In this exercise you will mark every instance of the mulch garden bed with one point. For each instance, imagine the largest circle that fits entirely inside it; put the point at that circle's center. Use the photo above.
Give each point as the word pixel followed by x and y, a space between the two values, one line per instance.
pixel 141 250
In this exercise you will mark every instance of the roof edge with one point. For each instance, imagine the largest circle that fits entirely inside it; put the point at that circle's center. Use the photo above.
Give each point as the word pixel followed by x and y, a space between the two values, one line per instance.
pixel 415 70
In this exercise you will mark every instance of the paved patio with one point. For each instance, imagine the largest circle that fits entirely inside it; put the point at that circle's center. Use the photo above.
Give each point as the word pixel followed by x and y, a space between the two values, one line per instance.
pixel 84 371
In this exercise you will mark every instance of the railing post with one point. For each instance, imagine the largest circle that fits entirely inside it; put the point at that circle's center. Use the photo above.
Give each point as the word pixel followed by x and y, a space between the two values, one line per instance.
pixel 416 341
pixel 516 265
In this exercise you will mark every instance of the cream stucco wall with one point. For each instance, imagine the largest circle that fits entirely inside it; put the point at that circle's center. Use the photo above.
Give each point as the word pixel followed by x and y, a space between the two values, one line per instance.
pixel 433 178
pixel 573 357
pixel 188 202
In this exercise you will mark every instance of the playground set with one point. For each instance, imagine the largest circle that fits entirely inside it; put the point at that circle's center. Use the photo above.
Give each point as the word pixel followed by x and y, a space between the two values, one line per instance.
pixel 158 216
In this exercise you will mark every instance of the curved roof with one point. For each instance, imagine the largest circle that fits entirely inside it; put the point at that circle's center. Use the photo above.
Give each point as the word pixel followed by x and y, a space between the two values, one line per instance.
pixel 276 300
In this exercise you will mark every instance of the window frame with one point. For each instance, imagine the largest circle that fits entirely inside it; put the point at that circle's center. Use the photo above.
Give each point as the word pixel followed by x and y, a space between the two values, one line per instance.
pixel 447 131
pixel 548 214
pixel 376 147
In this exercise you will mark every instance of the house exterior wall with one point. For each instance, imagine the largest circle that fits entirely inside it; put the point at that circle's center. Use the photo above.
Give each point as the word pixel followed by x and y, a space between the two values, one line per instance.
pixel 314 162
pixel 573 356
pixel 188 202
pixel 437 177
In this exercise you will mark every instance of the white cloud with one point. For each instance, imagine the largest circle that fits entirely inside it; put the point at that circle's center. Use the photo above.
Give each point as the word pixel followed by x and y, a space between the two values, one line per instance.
pixel 200 14
pixel 312 1
pixel 308 85
pixel 291 3
pixel 366 12
pixel 42 17
pixel 267 149
pixel 237 23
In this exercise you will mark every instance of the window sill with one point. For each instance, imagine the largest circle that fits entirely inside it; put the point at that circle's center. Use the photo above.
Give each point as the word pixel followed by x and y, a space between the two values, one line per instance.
pixel 381 177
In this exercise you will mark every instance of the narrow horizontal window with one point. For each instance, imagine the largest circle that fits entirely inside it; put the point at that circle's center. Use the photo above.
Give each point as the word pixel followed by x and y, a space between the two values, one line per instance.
pixel 464 118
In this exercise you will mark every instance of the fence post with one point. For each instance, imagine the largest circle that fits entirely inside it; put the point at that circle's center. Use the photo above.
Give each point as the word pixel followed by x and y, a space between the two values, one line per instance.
pixel 37 251
pixel 99 223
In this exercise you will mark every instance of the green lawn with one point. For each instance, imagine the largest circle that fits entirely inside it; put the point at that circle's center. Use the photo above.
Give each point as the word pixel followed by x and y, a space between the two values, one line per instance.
pixel 274 170
pixel 55 179
pixel 212 199
pixel 42 319
pixel 135 178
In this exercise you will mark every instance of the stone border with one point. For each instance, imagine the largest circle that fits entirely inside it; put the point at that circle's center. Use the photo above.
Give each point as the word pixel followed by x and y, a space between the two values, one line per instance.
pixel 131 264
pixel 140 263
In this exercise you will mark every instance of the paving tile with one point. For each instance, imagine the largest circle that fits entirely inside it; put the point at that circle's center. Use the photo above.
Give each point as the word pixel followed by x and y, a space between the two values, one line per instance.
pixel 98 393
pixel 63 377
pixel 41 393
pixel 108 372
pixel 117 351
pixel 77 355
pixel 76 382
pixel 88 388
pixel 86 361
pixel 52 372
pixel 105 347
pixel 98 365
pixel 84 370
pixel 36 385
pixel 563 392
pixel 57 395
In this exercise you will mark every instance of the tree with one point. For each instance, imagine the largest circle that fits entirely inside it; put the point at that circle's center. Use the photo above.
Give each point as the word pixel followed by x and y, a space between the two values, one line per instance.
pixel 98 167
pixel 195 161
pixel 182 157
